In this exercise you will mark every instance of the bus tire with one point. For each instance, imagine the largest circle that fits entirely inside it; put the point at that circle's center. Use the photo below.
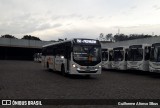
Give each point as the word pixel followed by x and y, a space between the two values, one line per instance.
pixel 63 70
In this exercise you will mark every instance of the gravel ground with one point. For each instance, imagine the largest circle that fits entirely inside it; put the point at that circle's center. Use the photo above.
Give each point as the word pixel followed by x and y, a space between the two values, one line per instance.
pixel 28 80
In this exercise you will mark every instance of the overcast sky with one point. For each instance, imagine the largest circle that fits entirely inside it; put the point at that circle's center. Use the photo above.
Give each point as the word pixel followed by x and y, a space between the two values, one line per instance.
pixel 53 19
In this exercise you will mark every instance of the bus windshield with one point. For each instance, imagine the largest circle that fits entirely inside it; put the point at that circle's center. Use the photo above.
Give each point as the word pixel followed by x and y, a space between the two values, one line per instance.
pixel 118 55
pixel 135 54
pixel 155 54
pixel 86 55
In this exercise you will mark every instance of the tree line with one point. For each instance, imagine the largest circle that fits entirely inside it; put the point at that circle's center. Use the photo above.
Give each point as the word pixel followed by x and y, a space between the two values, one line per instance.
pixel 28 37
pixel 122 37
pixel 109 37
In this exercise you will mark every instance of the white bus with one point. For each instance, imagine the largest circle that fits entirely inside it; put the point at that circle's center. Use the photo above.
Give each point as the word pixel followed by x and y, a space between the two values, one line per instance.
pixel 120 58
pixel 76 56
pixel 138 57
pixel 154 63
pixel 107 58
pixel 37 57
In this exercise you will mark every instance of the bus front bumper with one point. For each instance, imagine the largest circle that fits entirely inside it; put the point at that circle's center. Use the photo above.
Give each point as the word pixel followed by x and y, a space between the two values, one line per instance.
pixel 86 70
pixel 154 70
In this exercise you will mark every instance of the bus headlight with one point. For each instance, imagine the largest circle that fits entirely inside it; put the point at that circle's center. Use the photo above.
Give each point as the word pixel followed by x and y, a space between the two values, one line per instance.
pixel 78 69
pixel 62 57
pixel 100 66
pixel 74 65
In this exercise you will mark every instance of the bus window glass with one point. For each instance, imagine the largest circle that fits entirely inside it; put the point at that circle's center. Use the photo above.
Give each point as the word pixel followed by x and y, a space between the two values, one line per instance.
pixel 104 55
pixel 158 54
pixel 155 54
pixel 89 54
pixel 135 54
pixel 152 55
pixel 118 55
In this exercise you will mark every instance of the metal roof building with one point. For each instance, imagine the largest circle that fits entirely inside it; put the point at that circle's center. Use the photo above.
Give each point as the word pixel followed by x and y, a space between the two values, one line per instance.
pixel 150 40
pixel 21 49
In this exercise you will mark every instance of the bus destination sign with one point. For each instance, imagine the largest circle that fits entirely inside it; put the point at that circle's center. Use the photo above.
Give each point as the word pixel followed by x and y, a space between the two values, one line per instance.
pixel 86 41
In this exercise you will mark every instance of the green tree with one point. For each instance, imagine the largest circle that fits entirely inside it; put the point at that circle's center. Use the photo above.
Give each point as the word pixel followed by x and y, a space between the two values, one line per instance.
pixel 109 37
pixel 101 37
pixel 8 36
pixel 120 37
pixel 29 37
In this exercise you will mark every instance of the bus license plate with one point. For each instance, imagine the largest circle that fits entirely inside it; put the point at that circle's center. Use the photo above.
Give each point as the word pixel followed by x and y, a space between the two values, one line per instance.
pixel 88 69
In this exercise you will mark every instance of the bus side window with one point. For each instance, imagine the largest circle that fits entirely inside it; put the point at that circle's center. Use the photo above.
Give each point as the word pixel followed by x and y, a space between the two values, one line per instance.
pixel 67 52
pixel 44 51
pixel 50 51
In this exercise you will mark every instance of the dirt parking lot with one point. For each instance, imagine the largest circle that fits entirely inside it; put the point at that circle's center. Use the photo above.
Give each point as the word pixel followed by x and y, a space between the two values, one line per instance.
pixel 28 80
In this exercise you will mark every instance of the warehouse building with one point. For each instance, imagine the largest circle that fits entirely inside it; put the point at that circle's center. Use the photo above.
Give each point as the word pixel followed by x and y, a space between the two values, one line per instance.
pixel 19 49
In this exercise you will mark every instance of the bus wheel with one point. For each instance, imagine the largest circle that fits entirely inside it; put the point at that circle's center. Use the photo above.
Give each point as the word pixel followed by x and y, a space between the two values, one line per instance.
pixel 63 70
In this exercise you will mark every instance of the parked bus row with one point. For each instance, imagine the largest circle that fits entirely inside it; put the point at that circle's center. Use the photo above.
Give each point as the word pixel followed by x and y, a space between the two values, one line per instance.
pixel 76 56
pixel 134 57
pixel 37 57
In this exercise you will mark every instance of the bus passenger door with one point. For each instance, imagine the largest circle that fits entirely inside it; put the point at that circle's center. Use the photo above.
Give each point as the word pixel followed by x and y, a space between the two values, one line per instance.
pixel 68 56
pixel 57 63
pixel 53 62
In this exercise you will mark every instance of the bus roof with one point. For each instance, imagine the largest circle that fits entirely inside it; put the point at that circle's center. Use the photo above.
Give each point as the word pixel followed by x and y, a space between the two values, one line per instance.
pixel 155 44
pixel 54 43
pixel 71 40
pixel 138 45
pixel 120 47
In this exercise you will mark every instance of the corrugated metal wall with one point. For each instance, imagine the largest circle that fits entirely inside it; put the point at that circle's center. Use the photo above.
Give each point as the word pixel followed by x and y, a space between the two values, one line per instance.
pixel 19 49
pixel 22 43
